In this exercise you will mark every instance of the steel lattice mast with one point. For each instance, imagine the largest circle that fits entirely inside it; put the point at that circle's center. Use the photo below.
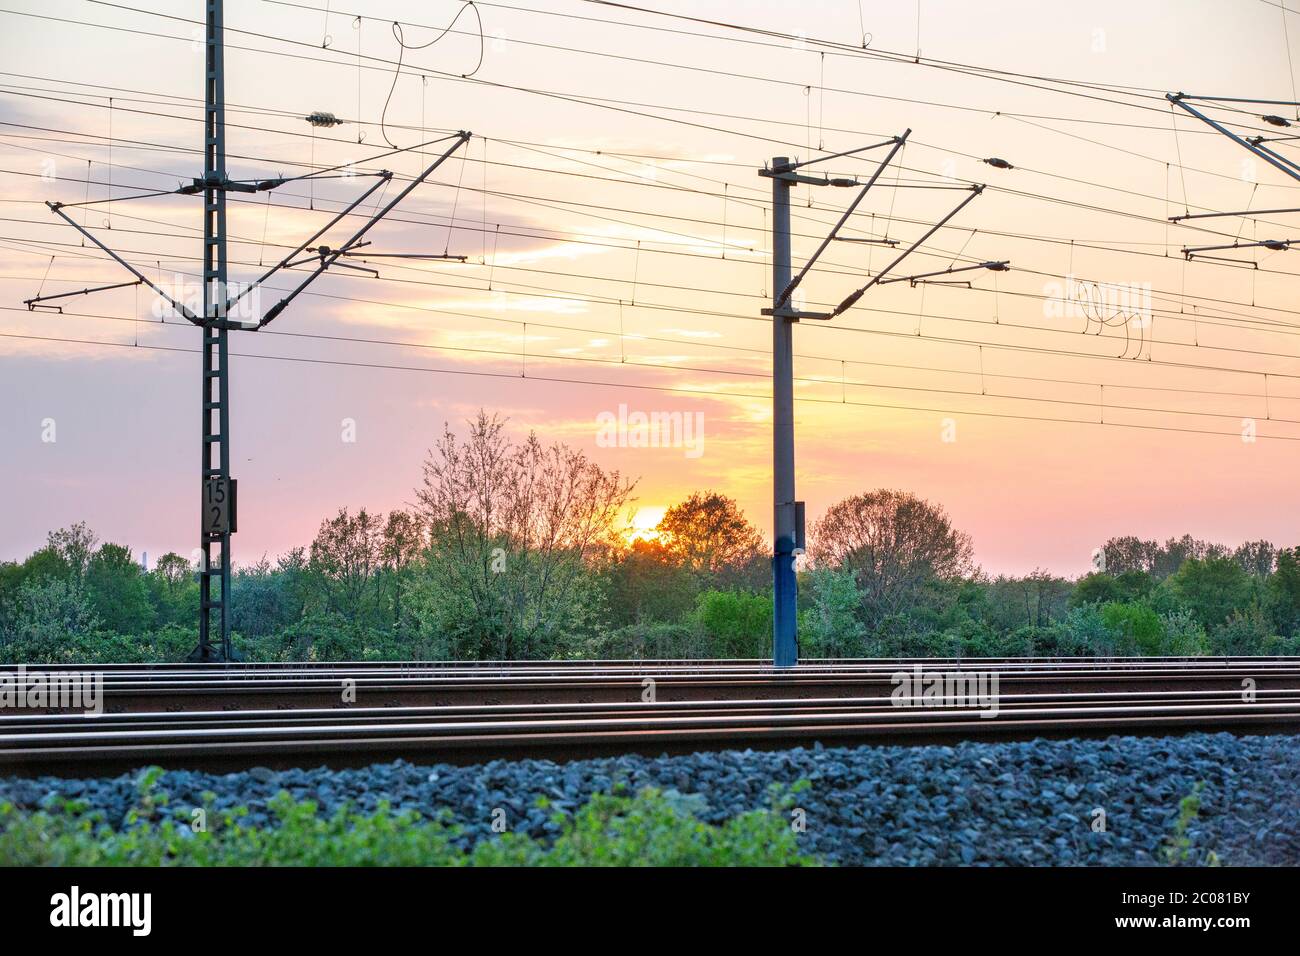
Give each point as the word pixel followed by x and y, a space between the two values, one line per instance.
pixel 218 488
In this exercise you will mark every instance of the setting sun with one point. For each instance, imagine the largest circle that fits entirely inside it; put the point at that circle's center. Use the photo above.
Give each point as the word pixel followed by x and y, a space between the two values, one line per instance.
pixel 644 522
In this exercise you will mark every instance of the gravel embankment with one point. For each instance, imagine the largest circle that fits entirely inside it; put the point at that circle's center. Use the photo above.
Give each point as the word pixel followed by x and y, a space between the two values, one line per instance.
pixel 1001 803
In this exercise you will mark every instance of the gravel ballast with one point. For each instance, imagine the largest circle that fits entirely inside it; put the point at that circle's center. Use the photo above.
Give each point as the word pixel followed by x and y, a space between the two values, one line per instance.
pixel 1037 802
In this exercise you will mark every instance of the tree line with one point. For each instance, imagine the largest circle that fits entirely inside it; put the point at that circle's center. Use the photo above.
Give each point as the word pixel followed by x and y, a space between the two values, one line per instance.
pixel 515 549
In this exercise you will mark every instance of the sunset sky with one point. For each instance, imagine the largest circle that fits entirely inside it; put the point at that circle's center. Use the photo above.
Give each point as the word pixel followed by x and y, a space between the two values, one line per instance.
pixel 615 226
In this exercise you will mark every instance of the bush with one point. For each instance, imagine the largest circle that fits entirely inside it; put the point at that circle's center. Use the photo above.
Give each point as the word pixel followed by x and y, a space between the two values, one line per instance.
pixel 50 615
pixel 1022 642
pixel 1137 627
pixel 1081 634
pixel 831 626
pixel 894 640
pixel 1184 636
pixel 171 643
pixel 650 641
pixel 264 599
pixel 1284 646
pixel 650 829
pixel 645 585
pixel 737 623
pixel 1244 633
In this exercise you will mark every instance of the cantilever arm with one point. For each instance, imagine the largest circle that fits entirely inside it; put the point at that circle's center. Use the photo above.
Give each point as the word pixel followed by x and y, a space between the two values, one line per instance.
pixel 35 301
pixel 329 260
pixel 791 167
pixel 57 209
pixel 1001 265
pixel 854 296
pixel 1243 214
pixel 1276 245
pixel 898 141
pixel 1269 156
pixel 283 263
pixel 410 255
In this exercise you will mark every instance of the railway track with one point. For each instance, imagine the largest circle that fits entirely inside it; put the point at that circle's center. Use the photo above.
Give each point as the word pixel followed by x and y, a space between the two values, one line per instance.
pixel 228 717
pixel 181 687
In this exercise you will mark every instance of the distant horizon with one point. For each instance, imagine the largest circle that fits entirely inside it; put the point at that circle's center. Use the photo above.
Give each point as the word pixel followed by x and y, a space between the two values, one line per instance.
pixel 640 520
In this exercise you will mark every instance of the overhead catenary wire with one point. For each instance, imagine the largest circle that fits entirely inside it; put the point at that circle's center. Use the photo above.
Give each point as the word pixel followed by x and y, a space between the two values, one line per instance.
pixel 949 340
pixel 533 200
pixel 1206 319
pixel 640 337
pixel 1027 327
pixel 388 65
pixel 560 200
pixel 1050 274
pixel 1000 188
pixel 665 388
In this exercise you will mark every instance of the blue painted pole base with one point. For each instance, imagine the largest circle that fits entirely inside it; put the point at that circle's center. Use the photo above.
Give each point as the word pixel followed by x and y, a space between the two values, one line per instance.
pixel 785 590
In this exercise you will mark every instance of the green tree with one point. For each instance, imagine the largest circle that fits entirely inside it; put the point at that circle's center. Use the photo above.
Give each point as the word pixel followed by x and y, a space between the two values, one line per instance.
pixel 1084 634
pixel 647 583
pixel 1095 588
pixel 48 563
pixel 1183 634
pixel 1038 598
pixel 75 545
pixel 118 590
pixel 1284 592
pixel 1174 553
pixel 264 600
pixel 1137 627
pixel 1211 588
pixel 343 570
pixel 399 553
pixel 1135 585
pixel 174 590
pixel 1244 632
pixel 831 624
pixel 11 579
pixel 45 563
pixel 1100 587
pixel 893 543
pixel 1128 554
pixel 515 529
pixel 1256 557
pixel 50 614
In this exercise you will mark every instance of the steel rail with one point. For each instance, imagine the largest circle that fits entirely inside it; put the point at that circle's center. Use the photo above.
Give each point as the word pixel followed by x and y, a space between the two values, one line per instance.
pixel 239 688
pixel 230 716
pixel 35 724
pixel 477 740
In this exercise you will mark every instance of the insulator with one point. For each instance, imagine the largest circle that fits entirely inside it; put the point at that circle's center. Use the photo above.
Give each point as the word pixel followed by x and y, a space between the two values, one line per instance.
pixel 321 118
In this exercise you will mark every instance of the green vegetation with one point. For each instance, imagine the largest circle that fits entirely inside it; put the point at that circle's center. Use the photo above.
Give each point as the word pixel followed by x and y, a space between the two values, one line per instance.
pixel 648 829
pixel 1178 848
pixel 515 549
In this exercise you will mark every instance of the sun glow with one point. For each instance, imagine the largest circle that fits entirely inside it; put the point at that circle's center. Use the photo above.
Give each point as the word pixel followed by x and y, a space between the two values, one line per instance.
pixel 643 523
